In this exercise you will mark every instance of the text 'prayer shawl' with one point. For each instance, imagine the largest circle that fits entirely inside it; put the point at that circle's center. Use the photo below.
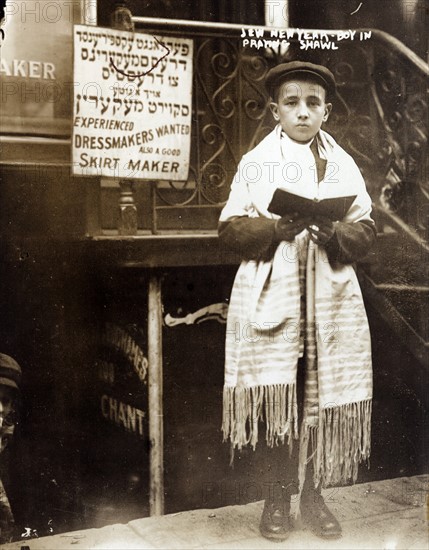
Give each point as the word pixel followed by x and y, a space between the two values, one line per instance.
pixel 299 304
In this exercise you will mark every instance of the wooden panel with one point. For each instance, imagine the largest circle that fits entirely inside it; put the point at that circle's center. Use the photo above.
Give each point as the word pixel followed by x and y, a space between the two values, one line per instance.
pixel 161 251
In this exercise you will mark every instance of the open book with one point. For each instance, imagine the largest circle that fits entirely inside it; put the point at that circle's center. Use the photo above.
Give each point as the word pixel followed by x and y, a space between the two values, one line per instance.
pixel 284 202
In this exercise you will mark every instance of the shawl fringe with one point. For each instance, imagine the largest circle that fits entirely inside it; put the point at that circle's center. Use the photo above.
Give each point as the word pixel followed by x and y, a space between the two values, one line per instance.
pixel 243 408
pixel 340 442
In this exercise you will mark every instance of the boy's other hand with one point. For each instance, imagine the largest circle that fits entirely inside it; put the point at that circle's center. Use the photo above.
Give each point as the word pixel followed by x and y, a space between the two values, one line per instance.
pixel 321 230
pixel 289 226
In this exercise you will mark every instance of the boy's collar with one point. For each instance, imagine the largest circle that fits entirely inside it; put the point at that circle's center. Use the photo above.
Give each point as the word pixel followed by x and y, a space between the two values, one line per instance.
pixel 317 139
pixel 283 135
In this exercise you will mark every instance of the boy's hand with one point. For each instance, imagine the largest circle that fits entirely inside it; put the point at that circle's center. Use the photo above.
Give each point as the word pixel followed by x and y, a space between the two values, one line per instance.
pixel 289 226
pixel 321 230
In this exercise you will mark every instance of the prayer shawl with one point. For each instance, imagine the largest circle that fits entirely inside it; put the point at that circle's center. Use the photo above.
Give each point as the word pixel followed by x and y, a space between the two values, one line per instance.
pixel 299 304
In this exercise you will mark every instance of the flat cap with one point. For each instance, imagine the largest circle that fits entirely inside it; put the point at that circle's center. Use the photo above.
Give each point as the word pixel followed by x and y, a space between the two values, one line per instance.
pixel 284 71
pixel 10 372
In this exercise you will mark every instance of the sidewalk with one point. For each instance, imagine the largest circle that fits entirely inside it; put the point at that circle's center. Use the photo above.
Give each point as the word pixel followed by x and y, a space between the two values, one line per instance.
pixel 390 514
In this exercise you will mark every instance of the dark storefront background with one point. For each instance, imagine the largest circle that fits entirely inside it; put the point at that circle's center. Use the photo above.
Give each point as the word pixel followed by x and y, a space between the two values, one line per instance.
pixel 78 468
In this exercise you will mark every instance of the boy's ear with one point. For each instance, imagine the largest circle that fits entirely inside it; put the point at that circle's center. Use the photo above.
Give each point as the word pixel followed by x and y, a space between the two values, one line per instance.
pixel 275 111
pixel 328 109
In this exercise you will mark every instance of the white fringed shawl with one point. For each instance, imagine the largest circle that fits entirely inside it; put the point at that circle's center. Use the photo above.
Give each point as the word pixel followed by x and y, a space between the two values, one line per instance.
pixel 299 301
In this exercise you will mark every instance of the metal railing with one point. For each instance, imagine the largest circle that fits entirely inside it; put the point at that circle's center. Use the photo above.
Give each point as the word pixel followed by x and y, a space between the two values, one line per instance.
pixel 379 116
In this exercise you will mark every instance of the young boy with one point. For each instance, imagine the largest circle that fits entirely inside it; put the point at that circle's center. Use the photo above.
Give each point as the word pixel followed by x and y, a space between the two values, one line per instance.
pixel 298 355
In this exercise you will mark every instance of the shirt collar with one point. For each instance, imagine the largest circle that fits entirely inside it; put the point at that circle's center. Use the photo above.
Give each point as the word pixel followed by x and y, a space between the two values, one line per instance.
pixel 286 138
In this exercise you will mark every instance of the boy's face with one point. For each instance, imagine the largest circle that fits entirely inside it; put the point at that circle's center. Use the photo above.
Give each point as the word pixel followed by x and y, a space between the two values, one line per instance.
pixel 301 108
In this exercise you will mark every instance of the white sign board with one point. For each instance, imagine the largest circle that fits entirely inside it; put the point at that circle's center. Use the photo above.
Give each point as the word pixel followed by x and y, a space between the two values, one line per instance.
pixel 132 104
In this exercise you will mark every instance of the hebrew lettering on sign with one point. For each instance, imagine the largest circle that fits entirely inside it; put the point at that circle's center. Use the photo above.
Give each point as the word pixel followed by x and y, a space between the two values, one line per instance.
pixel 143 81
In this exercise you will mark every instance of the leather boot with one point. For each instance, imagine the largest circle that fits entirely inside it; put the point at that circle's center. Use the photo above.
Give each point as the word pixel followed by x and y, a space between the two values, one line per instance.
pixel 317 516
pixel 275 521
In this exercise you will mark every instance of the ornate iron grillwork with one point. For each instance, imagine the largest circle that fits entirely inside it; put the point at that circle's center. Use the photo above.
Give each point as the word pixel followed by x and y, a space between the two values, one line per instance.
pixel 379 116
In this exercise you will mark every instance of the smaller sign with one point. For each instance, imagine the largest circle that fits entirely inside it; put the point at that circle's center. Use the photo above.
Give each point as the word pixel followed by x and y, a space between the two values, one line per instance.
pixel 132 104
pixel 124 415
pixel 122 374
